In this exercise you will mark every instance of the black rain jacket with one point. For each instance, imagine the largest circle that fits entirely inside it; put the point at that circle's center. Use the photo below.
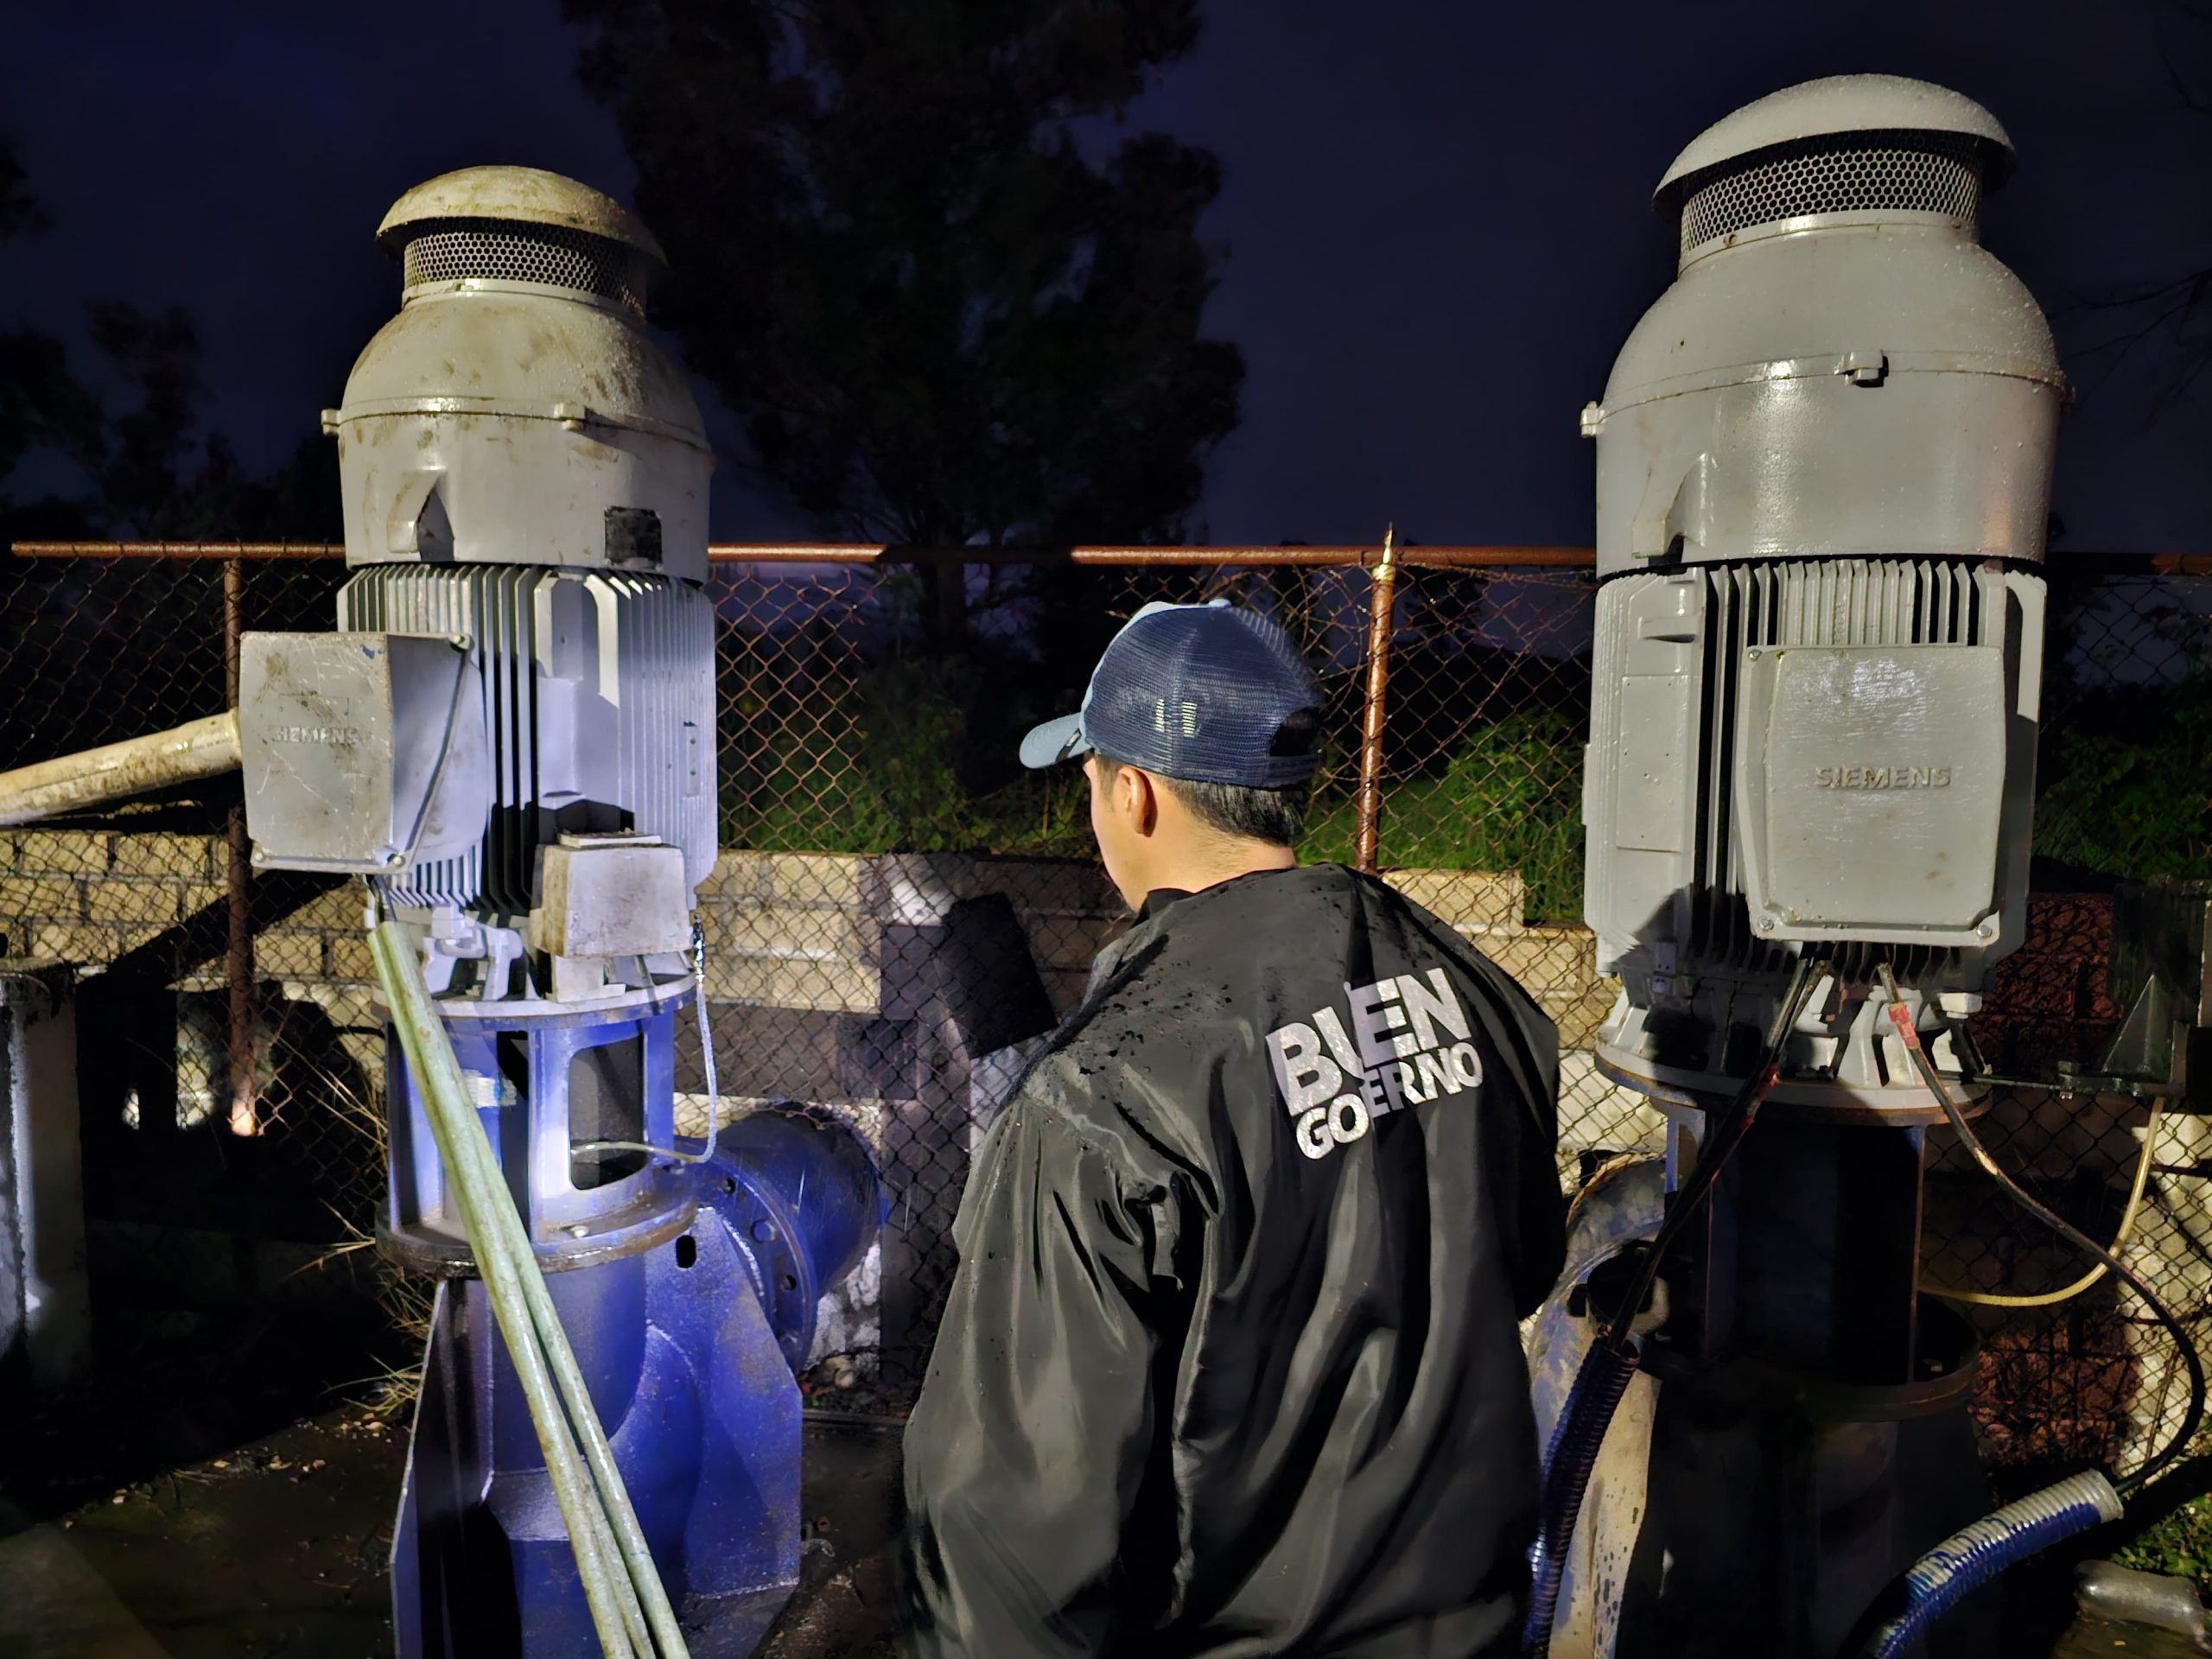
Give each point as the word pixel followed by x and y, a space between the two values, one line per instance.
pixel 1230 1366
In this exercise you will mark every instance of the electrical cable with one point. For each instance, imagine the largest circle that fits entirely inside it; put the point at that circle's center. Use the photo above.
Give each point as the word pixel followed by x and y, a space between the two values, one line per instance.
pixel 445 749
pixel 1901 1017
pixel 2144 1165
pixel 707 1060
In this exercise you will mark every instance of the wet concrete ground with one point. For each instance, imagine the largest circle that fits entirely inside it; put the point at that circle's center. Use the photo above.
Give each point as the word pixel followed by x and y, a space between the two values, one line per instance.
pixel 276 1550
pixel 846 1605
pixel 2097 1638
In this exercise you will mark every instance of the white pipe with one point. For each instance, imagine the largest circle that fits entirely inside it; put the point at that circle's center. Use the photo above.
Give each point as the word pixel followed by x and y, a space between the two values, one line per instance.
pixel 95 777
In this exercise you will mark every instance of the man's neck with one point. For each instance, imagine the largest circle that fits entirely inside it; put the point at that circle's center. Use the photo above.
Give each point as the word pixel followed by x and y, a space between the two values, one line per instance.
pixel 1200 869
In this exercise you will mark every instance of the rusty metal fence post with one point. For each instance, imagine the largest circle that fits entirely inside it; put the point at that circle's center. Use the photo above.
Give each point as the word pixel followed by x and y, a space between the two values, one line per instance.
pixel 1381 596
pixel 238 961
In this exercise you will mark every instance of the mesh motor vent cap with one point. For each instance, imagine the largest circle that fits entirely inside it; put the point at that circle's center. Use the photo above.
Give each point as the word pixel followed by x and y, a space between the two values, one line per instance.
pixel 1839 176
pixel 1848 145
pixel 1840 104
pixel 519 224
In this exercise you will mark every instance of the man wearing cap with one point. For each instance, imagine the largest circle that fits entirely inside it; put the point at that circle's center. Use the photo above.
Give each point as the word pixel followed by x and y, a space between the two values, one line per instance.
pixel 1230 1366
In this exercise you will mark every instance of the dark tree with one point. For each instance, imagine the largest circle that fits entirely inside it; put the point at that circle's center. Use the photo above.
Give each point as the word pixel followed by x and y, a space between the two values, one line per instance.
pixel 42 404
pixel 20 213
pixel 946 309
pixel 155 478
pixel 2168 317
pixel 144 472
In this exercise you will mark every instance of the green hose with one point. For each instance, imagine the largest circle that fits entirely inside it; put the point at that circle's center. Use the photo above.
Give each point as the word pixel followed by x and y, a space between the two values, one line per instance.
pixel 630 1609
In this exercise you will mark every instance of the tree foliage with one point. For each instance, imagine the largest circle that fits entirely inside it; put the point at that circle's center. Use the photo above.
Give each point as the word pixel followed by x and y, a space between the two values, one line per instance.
pixel 940 316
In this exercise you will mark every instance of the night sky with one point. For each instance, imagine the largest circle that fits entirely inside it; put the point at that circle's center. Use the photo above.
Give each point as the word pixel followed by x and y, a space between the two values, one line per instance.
pixel 1436 213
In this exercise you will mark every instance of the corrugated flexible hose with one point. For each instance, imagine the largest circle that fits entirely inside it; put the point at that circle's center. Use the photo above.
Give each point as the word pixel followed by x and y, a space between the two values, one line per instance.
pixel 1973 1555
pixel 1569 1461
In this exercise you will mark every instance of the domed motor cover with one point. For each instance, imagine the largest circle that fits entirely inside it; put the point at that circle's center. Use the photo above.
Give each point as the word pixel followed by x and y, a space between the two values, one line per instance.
pixel 515 410
pixel 1861 379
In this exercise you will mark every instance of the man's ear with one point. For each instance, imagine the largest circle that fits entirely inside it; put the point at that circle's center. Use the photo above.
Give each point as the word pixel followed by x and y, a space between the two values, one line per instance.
pixel 1138 799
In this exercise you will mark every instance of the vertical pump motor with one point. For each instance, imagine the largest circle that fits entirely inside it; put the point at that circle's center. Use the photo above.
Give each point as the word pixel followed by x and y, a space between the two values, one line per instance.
pixel 1823 464
pixel 522 466
pixel 511 736
pixel 1823 478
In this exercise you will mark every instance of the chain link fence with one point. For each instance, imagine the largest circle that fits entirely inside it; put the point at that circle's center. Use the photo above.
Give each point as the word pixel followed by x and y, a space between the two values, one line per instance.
pixel 900 910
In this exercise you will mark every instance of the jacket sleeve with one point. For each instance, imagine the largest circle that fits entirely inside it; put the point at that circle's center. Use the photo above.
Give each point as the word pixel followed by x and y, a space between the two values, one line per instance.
pixel 1034 1429
pixel 1539 1233
pixel 1533 1219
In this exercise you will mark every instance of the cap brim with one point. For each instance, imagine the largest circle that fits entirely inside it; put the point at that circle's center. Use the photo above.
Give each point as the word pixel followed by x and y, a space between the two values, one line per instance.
pixel 1054 742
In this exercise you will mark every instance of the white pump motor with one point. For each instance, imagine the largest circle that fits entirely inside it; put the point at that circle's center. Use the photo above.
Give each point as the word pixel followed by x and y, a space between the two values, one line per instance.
pixel 1823 479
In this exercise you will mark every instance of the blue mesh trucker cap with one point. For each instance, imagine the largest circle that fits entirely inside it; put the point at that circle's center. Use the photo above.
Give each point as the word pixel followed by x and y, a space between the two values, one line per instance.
pixel 1199 692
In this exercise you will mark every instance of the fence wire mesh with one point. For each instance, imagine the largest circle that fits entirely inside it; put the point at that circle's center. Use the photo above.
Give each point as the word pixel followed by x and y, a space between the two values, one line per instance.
pixel 900 910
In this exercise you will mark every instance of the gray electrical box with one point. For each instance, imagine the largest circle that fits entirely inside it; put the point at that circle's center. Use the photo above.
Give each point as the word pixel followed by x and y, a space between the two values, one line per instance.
pixel 1873 793
pixel 363 753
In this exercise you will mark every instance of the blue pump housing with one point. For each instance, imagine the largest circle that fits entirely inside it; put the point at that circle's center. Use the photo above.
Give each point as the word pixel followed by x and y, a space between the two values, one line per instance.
pixel 688 1312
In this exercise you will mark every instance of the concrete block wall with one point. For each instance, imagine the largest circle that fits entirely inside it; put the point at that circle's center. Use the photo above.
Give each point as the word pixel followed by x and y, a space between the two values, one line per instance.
pixel 788 929
pixel 157 900
pixel 797 931
pixel 793 947
pixel 802 930
pixel 93 896
pixel 794 934
pixel 68 895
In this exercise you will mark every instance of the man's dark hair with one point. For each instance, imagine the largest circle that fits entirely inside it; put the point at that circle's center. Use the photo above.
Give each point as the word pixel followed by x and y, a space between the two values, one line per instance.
pixel 1276 816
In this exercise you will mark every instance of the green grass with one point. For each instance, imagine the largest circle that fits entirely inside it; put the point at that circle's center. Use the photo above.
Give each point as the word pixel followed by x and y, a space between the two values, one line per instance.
pixel 2128 792
pixel 874 768
pixel 2179 1546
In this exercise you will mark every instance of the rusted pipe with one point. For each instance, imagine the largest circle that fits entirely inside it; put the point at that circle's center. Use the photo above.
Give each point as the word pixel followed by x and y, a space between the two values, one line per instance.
pixel 237 892
pixel 1571 558
pixel 204 748
pixel 1382 590
pixel 226 551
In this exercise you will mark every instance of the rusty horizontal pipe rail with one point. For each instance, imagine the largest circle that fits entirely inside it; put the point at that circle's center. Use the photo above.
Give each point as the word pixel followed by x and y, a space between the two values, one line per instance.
pixel 179 549
pixel 1451 557
pixel 1343 557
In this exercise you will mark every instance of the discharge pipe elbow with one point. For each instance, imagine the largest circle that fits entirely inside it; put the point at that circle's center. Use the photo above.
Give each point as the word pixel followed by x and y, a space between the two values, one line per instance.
pixel 804 1200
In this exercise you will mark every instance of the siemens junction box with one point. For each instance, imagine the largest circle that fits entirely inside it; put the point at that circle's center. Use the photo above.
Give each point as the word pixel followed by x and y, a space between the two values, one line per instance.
pixel 361 752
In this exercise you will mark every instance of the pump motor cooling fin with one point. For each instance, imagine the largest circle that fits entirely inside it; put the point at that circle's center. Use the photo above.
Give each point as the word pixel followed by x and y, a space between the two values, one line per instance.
pixel 1824 481
pixel 599 707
